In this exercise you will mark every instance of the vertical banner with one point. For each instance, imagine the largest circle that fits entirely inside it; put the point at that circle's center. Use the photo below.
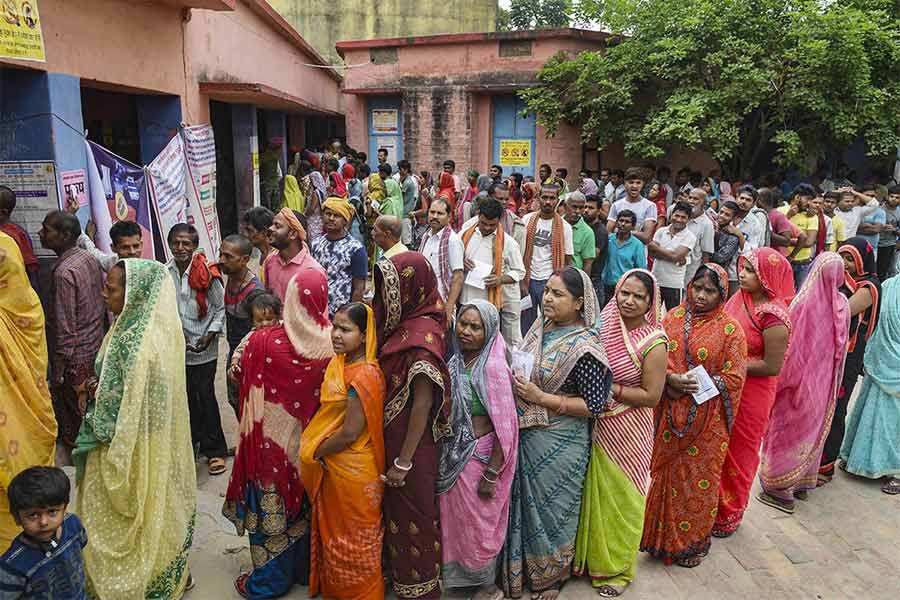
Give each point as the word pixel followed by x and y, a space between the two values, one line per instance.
pixel 119 186
pixel 166 182
pixel 34 184
pixel 254 161
pixel 200 158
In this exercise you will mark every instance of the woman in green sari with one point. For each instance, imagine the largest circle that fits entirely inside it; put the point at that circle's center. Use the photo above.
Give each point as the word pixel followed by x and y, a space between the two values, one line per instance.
pixel 569 387
pixel 137 486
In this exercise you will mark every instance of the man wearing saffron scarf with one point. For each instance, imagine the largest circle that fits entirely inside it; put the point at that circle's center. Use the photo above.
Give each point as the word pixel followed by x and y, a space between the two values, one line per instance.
pixel 547 247
pixel 444 250
pixel 201 306
pixel 485 242
pixel 342 256
pixel 287 235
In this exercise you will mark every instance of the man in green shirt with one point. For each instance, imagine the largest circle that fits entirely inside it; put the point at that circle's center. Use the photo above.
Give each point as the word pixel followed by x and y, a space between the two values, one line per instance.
pixel 582 233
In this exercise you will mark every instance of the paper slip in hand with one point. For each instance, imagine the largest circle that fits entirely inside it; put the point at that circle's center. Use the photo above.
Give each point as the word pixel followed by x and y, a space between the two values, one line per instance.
pixel 707 389
pixel 476 276
pixel 526 303
pixel 522 364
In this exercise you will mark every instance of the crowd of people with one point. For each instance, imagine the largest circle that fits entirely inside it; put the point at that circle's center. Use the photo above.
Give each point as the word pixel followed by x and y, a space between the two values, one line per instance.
pixel 568 373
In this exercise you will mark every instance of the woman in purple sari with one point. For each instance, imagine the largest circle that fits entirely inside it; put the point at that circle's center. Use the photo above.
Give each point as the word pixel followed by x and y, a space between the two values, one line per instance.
pixel 805 400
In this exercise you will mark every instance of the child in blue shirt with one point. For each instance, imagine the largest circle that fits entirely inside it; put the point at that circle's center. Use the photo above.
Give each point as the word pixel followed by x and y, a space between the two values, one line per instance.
pixel 45 561
pixel 625 252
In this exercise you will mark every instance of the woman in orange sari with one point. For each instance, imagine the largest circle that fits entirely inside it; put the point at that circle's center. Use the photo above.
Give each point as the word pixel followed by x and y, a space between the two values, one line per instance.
pixel 342 456
pixel 692 438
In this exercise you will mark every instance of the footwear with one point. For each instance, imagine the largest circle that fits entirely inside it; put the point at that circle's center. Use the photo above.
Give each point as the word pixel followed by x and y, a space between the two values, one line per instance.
pixel 801 495
pixel 689 562
pixel 776 503
pixel 608 591
pixel 190 583
pixel 891 486
pixel 217 466
pixel 240 584
pixel 722 533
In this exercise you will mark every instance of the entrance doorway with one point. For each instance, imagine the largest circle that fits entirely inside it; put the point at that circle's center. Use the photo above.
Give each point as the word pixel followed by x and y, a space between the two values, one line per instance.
pixel 513 136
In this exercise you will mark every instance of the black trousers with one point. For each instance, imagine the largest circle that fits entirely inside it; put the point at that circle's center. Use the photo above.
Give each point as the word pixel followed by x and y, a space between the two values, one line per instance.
pixel 884 260
pixel 671 297
pixel 835 438
pixel 206 423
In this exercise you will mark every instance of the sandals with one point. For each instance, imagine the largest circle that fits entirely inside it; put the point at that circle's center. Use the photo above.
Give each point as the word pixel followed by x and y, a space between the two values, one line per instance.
pixel 722 533
pixel 240 585
pixel 776 503
pixel 608 591
pixel 801 495
pixel 190 583
pixel 689 562
pixel 217 466
pixel 891 486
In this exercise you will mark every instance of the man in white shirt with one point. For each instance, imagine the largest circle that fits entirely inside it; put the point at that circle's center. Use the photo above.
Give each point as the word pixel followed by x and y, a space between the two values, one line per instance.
pixel 538 244
pixel 644 210
pixel 671 250
pixel 746 201
pixel 479 242
pixel 444 250
pixel 853 207
pixel 704 231
pixel 615 187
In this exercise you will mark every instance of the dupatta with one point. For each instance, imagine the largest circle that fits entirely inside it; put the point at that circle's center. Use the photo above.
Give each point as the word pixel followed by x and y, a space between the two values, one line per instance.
pixel 777 279
pixel 863 255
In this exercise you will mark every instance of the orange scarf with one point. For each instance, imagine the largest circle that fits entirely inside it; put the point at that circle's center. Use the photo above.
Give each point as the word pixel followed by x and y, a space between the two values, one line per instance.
pixel 495 294
pixel 557 245
pixel 199 280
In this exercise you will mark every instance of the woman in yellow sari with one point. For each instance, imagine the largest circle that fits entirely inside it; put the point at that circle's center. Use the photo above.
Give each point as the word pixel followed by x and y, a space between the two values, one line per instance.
pixel 134 461
pixel 342 458
pixel 27 424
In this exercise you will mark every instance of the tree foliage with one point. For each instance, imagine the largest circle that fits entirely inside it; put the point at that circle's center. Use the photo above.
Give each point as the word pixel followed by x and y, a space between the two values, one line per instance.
pixel 539 14
pixel 746 80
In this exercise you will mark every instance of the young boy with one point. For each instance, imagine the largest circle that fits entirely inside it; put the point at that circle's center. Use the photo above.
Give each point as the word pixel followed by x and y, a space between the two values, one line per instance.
pixel 45 560
pixel 728 244
pixel 265 309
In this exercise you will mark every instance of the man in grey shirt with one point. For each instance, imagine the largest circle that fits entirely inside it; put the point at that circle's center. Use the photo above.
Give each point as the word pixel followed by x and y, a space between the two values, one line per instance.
pixel 409 189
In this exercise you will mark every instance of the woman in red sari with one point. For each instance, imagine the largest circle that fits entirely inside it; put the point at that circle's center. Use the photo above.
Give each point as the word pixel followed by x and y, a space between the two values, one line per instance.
pixel 282 370
pixel 761 307
pixel 692 439
pixel 411 321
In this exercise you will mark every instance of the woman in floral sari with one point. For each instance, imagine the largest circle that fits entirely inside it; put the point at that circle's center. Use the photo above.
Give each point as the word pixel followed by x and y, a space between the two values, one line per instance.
pixel 342 457
pixel 134 460
pixel 612 511
pixel 478 461
pixel 804 400
pixel 760 306
pixel 569 386
pixel 27 424
pixel 692 439
pixel 411 321
pixel 281 374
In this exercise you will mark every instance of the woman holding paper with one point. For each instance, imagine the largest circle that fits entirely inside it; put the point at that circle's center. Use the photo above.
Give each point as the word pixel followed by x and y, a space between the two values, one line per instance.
pixel 761 307
pixel 694 424
pixel 569 387
pixel 612 511
pixel 478 461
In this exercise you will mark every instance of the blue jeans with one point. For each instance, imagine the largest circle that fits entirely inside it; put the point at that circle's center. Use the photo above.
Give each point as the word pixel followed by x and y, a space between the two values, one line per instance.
pixel 536 291
pixel 801 269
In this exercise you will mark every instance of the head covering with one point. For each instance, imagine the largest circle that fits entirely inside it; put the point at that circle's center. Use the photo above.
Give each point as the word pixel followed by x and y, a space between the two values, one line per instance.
pixel 472 173
pixel 492 382
pixel 777 280
pixel 339 188
pixel 340 206
pixel 293 197
pixel 588 187
pixel 864 257
pixel 725 188
pixel 348 172
pixel 410 319
pixel 447 186
pixel 293 222
pixel 377 189
pixel 318 183
pixel 655 309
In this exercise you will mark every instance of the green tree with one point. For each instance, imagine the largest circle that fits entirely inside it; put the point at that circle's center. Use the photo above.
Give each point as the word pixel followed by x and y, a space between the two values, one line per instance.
pixel 502 22
pixel 539 14
pixel 742 79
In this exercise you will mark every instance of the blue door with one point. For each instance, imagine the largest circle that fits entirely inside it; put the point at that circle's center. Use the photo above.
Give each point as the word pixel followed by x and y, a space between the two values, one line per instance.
pixel 513 136
pixel 385 122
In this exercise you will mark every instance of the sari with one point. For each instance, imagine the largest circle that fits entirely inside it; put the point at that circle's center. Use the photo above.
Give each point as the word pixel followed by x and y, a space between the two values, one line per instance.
pixel 345 492
pixel 612 511
pixel 805 400
pixel 870 447
pixel 750 424
pixel 314 205
pixel 293 197
pixel 281 374
pixel 470 553
pixel 411 321
pixel 692 440
pixel 27 422
pixel 134 459
pixel 554 452
pixel 862 326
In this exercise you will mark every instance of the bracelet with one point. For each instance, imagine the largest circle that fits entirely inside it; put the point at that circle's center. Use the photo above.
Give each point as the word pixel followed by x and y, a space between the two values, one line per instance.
pixel 492 471
pixel 485 477
pixel 560 409
pixel 404 469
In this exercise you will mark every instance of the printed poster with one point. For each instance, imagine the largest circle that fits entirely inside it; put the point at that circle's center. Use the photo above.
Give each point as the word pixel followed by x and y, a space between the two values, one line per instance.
pixel 166 177
pixel 200 158
pixel 36 194
pixel 515 153
pixel 385 120
pixel 20 30
pixel 74 185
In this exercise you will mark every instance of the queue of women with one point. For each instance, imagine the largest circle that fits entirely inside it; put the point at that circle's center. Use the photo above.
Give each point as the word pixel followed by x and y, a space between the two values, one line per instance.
pixel 382 447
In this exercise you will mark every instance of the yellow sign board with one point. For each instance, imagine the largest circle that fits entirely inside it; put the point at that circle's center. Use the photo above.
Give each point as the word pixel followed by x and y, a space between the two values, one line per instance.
pixel 20 30
pixel 515 153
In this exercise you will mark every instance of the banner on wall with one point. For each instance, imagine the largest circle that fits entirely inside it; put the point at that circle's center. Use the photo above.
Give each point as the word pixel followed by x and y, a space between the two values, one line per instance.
pixel 200 176
pixel 74 184
pixel 36 194
pixel 166 182
pixel 515 153
pixel 20 30
pixel 117 186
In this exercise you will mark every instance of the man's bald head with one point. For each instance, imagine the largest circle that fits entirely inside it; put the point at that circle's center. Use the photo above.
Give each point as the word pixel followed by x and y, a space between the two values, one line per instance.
pixel 387 231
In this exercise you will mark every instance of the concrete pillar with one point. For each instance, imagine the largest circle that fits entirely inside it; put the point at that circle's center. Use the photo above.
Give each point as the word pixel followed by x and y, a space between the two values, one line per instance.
pixel 158 121
pixel 67 128
pixel 25 129
pixel 246 156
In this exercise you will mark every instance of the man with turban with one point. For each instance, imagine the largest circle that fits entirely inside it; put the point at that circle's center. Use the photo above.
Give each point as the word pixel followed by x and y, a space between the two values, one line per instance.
pixel 288 236
pixel 342 255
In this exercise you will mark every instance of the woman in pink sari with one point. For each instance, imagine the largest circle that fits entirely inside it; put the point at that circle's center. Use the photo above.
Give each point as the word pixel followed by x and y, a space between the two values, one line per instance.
pixel 478 462
pixel 805 400
pixel 767 285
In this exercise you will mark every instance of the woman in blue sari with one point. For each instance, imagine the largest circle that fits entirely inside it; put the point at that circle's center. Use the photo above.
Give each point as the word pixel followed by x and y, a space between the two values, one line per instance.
pixel 569 386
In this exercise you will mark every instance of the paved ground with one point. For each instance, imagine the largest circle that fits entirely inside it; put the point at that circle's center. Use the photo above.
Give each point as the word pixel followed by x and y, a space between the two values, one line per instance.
pixel 842 543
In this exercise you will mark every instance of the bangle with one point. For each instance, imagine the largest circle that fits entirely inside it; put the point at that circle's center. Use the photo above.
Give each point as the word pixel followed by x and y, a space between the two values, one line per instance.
pixel 561 410
pixel 485 477
pixel 492 471
pixel 397 465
